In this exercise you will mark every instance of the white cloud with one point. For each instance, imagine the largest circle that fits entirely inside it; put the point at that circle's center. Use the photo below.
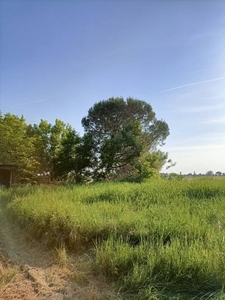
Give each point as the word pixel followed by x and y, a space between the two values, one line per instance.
pixel 208 147
pixel 215 120
pixel 200 108
pixel 205 70
pixel 207 137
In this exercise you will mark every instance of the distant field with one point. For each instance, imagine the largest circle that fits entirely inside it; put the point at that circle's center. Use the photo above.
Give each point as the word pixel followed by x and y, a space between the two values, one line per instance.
pixel 162 239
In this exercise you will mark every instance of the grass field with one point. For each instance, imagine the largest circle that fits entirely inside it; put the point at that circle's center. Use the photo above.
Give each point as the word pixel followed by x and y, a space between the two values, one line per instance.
pixel 162 239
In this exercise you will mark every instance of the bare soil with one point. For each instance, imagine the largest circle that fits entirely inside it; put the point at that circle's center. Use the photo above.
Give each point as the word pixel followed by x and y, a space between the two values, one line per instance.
pixel 40 277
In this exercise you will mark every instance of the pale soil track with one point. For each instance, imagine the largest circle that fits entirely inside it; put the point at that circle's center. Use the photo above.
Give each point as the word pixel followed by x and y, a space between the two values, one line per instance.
pixel 40 277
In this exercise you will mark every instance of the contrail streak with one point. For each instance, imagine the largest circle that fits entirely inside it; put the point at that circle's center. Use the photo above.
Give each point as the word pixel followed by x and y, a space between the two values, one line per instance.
pixel 30 102
pixel 193 83
pixel 203 70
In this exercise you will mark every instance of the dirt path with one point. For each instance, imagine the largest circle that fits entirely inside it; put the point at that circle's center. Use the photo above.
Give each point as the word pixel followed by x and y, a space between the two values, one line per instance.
pixel 40 277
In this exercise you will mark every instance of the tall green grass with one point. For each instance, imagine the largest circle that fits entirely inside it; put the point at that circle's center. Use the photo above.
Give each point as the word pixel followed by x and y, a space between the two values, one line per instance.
pixel 162 239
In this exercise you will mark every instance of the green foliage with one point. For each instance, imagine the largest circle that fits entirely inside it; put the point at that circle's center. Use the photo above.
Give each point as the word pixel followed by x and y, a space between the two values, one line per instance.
pixel 149 164
pixel 161 239
pixel 65 162
pixel 121 132
pixel 120 142
pixel 48 142
pixel 16 148
pixel 33 148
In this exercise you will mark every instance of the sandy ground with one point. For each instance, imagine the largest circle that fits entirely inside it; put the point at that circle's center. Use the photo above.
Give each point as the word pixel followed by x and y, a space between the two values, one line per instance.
pixel 40 277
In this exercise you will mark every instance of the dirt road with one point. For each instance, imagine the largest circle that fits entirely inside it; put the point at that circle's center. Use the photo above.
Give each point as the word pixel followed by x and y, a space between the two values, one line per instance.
pixel 40 277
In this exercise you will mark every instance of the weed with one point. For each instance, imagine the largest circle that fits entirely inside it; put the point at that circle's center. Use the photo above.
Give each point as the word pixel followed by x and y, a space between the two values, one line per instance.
pixel 61 256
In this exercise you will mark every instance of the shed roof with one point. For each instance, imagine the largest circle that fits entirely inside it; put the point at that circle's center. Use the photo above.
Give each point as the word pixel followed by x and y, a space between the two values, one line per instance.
pixel 8 167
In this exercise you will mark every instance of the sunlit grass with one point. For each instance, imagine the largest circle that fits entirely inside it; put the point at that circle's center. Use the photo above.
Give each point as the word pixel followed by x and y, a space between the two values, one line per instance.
pixel 162 239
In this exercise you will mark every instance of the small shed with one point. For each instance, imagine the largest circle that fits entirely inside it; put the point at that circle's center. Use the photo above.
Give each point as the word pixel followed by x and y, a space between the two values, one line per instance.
pixel 7 175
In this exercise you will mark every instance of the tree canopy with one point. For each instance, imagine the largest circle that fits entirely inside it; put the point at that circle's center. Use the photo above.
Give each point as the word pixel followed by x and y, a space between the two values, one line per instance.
pixel 122 132
pixel 47 140
pixel 16 148
pixel 33 148
pixel 121 139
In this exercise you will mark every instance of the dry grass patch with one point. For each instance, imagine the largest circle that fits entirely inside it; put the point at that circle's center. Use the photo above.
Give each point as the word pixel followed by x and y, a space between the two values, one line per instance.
pixel 7 273
pixel 61 256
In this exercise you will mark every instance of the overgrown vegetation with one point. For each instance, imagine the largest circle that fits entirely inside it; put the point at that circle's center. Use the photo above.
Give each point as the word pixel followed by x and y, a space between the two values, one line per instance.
pixel 7 270
pixel 161 239
pixel 120 141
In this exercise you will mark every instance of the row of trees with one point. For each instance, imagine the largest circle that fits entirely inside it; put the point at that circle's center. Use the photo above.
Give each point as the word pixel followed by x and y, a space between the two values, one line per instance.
pixel 120 140
pixel 208 173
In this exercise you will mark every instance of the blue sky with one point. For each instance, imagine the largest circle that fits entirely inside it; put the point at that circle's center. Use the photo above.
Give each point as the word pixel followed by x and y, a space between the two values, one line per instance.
pixel 58 58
